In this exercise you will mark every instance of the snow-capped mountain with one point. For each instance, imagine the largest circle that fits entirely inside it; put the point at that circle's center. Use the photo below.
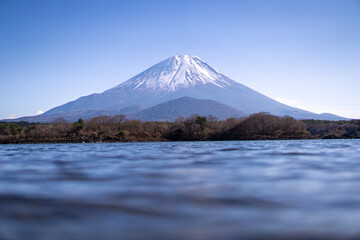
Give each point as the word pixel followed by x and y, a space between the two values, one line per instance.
pixel 175 73
pixel 176 77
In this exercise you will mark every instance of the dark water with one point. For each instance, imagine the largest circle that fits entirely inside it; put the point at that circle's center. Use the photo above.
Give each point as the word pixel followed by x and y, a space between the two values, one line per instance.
pixel 181 190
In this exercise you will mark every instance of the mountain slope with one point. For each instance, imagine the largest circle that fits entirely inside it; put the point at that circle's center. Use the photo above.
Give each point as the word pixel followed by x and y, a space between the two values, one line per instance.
pixel 175 77
pixel 185 107
pixel 73 116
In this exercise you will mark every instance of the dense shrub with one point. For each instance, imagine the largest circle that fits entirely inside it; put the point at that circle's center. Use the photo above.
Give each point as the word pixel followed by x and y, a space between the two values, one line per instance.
pixel 7 129
pixel 266 126
pixel 333 129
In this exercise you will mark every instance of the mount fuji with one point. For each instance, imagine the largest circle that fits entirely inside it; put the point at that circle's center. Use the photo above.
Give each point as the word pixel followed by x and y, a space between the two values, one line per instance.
pixel 176 77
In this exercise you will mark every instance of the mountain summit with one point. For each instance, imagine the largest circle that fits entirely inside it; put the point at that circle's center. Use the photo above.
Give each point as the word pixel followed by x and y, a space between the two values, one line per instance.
pixel 176 77
pixel 174 73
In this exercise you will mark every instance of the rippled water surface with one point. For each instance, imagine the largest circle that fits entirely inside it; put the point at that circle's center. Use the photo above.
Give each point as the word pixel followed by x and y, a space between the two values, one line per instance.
pixel 181 190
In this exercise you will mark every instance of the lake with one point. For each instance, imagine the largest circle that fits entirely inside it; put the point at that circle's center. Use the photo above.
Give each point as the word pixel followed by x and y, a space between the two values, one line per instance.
pixel 181 190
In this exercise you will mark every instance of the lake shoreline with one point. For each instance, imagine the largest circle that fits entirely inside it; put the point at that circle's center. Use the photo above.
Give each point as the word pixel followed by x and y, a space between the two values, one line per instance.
pixel 108 129
pixel 23 141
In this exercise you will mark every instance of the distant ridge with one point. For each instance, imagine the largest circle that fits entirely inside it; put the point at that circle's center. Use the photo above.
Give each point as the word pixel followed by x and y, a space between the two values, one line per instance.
pixel 185 107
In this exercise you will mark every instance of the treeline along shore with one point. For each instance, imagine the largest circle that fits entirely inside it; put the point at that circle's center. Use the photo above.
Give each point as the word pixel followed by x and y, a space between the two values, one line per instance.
pixel 260 126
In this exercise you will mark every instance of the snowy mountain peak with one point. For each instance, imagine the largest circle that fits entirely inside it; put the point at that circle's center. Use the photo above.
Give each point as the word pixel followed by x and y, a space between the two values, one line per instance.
pixel 175 78
pixel 175 73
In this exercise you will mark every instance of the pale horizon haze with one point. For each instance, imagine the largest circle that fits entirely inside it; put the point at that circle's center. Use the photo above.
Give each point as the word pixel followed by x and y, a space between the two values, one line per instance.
pixel 305 54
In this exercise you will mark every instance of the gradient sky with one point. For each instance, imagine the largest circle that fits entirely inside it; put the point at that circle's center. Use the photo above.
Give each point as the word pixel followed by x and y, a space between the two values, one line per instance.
pixel 304 53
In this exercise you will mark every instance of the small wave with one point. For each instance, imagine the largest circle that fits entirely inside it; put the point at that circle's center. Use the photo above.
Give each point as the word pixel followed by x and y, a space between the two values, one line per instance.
pixel 292 153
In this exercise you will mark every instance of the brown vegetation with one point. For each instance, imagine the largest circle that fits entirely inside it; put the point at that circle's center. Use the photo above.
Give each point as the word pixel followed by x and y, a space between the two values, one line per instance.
pixel 334 129
pixel 261 126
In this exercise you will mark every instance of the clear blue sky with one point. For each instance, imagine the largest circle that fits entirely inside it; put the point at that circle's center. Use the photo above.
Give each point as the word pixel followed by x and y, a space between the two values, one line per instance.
pixel 305 53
